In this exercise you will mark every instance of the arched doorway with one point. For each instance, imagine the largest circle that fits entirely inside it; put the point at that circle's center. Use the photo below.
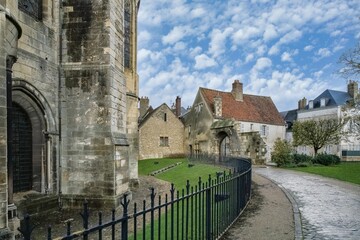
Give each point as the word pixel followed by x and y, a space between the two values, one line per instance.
pixel 224 147
pixel 31 153
pixel 21 149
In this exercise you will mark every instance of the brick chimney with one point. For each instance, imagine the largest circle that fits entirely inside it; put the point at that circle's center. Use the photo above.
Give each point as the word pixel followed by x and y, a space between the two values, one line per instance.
pixel 353 89
pixel 218 106
pixel 302 103
pixel 144 106
pixel 178 106
pixel 237 90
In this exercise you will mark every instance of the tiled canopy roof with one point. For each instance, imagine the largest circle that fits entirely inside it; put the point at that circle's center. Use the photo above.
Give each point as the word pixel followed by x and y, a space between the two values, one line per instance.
pixel 257 109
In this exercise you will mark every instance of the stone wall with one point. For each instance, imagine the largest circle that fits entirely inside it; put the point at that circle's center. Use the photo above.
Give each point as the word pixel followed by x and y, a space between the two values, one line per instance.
pixel 95 146
pixel 10 31
pixel 155 127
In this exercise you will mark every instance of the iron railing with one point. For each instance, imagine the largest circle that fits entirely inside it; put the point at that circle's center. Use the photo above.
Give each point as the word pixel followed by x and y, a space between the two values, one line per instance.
pixel 203 211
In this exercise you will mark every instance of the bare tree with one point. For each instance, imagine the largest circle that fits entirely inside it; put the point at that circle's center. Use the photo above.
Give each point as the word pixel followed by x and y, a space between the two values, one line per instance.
pixel 317 133
pixel 351 62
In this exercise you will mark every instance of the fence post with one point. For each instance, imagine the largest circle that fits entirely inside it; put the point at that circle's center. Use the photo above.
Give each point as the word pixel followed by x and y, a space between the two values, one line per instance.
pixel 85 217
pixel 152 205
pixel 172 190
pixel 27 229
pixel 208 213
pixel 124 223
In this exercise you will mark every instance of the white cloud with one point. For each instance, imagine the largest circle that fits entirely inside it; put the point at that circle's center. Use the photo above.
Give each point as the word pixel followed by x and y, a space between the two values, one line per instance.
pixel 203 61
pixel 308 48
pixel 270 33
pixel 249 57
pixel 176 34
pixel 218 41
pixel 323 52
pixel 246 33
pixel 198 12
pixel 286 57
pixel 262 63
pixel 195 51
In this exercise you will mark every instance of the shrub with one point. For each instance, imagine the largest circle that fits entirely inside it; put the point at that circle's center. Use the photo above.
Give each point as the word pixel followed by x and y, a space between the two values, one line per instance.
pixel 282 153
pixel 302 158
pixel 326 159
pixel 304 164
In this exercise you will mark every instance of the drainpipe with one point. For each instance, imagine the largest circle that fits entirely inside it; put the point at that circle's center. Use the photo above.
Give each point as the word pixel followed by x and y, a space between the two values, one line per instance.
pixel 59 170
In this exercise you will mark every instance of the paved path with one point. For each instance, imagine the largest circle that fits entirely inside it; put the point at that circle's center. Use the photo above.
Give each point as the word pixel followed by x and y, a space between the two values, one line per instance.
pixel 269 215
pixel 329 209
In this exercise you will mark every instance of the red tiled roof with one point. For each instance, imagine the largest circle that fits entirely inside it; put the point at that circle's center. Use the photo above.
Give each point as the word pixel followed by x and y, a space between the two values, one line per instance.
pixel 257 109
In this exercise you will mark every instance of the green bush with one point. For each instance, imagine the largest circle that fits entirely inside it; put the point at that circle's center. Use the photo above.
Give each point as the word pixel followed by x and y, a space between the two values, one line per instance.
pixel 282 153
pixel 302 158
pixel 304 164
pixel 326 159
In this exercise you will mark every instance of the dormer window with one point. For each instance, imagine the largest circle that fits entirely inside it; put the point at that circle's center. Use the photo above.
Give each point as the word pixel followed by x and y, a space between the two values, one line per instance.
pixel 31 7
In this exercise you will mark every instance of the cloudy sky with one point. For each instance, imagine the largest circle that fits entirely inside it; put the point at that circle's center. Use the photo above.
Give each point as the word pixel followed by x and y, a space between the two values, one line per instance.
pixel 284 49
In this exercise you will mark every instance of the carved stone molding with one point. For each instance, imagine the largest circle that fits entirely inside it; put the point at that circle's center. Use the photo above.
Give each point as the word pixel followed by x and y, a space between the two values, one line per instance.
pixel 10 60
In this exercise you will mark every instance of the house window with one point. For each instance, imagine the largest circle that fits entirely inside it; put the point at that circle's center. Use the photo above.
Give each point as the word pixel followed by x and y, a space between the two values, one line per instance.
pixel 31 7
pixel 164 141
pixel 127 29
pixel 263 130
pixel 165 117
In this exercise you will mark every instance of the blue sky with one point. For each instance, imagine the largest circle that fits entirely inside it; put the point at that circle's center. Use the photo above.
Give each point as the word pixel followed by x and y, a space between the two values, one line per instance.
pixel 283 49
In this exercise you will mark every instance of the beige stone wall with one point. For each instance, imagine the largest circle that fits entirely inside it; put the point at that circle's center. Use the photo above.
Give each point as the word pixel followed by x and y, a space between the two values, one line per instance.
pixel 154 127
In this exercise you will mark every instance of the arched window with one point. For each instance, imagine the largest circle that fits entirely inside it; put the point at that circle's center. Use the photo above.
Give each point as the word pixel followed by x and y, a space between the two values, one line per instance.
pixel 127 40
pixel 31 7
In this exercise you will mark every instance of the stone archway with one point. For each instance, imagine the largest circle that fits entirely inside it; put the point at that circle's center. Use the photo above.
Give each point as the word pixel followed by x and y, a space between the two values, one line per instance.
pixel 30 104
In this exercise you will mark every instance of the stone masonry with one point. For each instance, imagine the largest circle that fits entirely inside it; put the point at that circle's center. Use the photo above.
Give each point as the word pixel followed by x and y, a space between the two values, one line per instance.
pixel 69 77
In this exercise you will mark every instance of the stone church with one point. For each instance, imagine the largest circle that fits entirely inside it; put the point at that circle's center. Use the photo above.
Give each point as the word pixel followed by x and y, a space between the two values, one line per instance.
pixel 68 103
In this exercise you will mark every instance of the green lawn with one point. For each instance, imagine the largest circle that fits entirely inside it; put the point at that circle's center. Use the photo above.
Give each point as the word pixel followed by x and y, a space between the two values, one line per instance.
pixel 179 176
pixel 149 165
pixel 181 173
pixel 345 171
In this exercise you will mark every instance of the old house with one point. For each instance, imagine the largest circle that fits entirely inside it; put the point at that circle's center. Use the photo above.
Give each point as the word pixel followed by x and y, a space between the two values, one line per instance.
pixel 330 104
pixel 68 103
pixel 161 132
pixel 232 123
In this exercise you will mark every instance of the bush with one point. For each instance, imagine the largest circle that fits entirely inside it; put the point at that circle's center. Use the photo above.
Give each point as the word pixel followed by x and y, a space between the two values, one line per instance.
pixel 282 153
pixel 304 164
pixel 326 159
pixel 302 158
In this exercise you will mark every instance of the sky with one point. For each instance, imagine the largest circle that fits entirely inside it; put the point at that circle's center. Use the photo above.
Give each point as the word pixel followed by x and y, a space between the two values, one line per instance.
pixel 283 49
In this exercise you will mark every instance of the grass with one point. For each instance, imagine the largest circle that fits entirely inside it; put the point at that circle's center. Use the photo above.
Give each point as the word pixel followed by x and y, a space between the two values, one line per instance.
pixel 179 176
pixel 181 173
pixel 345 171
pixel 149 165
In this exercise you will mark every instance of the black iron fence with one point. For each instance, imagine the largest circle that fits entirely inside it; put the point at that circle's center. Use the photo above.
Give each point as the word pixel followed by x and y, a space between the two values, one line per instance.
pixel 203 211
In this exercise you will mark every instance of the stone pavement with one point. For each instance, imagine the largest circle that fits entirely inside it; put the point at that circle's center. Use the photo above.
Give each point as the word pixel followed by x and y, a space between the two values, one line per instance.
pixel 268 216
pixel 329 209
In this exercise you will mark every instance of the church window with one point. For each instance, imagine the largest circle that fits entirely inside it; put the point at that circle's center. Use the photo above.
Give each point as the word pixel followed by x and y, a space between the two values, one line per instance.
pixel 127 29
pixel 31 7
